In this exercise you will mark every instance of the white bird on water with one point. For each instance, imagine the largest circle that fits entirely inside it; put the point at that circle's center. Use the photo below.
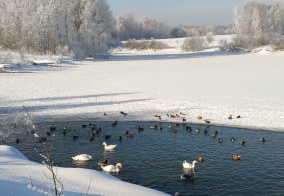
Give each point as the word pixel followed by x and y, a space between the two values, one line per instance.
pixel 109 147
pixel 36 135
pixel 112 168
pixel 188 165
pixel 82 157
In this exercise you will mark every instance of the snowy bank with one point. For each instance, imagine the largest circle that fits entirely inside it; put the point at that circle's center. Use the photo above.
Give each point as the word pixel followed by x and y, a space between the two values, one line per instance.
pixel 20 176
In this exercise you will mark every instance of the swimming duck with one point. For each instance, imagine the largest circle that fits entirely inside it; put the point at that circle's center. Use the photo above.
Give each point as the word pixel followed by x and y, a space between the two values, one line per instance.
pixel 242 142
pixel 82 157
pixel 188 165
pixel 214 134
pixel 262 139
pixel 199 159
pixel 153 127
pixel 114 123
pixel 129 135
pixel 139 128
pixel 233 139
pixel 109 147
pixel 188 128
pixel 103 162
pixel 236 157
pixel 112 168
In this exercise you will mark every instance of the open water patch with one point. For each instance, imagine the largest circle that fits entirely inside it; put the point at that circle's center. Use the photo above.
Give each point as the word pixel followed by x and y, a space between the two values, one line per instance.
pixel 153 157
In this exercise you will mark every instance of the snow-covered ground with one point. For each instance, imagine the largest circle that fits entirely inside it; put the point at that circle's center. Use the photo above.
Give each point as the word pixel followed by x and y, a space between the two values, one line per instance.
pixel 211 84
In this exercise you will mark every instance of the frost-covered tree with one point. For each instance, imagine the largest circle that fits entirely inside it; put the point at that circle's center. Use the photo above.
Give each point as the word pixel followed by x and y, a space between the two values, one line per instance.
pixel 99 25
pixel 154 29
pixel 127 27
pixel 258 23
pixel 42 25
pixel 178 32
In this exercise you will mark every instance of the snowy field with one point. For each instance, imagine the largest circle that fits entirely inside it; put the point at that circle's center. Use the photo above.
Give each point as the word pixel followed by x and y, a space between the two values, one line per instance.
pixel 211 84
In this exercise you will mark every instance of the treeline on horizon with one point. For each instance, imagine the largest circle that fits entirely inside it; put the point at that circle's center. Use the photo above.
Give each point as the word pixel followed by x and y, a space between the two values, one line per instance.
pixel 87 27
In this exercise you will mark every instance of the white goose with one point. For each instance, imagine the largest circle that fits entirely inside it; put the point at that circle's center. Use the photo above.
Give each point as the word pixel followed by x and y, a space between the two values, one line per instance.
pixel 82 157
pixel 112 168
pixel 109 147
pixel 188 165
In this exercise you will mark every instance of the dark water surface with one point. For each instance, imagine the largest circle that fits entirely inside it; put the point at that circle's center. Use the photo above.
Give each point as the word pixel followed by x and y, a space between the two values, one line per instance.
pixel 153 158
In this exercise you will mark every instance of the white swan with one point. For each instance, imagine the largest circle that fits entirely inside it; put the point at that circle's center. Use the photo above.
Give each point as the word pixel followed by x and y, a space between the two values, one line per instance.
pixel 188 165
pixel 109 147
pixel 112 168
pixel 82 157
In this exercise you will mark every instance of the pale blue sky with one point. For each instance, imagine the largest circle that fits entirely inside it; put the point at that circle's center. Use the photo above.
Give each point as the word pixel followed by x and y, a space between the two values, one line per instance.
pixel 176 12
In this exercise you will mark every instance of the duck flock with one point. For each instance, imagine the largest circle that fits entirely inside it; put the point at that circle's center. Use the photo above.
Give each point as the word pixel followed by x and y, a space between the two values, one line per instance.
pixel 95 130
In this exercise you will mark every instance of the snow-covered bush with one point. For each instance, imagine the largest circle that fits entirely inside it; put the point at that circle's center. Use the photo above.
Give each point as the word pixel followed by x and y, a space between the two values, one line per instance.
pixel 133 44
pixel 209 37
pixel 193 44
pixel 278 44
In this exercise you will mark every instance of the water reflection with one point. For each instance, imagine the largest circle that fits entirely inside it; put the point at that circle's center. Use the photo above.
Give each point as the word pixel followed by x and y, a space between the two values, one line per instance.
pixel 80 164
pixel 106 152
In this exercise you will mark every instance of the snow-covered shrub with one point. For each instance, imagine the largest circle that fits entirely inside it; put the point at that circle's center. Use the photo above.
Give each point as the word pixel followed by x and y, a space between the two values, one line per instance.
pixel 133 44
pixel 209 37
pixel 5 57
pixel 278 44
pixel 193 44
pixel 157 45
pixel 63 51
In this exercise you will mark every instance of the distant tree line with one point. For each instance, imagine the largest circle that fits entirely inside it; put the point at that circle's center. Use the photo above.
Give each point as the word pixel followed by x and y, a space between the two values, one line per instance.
pixel 87 27
pixel 84 26
pixel 128 27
